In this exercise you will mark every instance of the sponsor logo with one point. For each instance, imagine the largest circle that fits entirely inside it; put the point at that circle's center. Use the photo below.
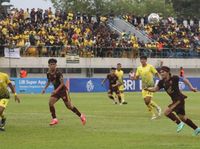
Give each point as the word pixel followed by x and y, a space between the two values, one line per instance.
pixel 90 86
pixel 181 85
pixel 129 85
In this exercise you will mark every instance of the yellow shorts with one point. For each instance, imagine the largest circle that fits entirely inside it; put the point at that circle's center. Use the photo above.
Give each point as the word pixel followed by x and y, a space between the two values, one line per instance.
pixel 121 88
pixel 146 94
pixel 4 102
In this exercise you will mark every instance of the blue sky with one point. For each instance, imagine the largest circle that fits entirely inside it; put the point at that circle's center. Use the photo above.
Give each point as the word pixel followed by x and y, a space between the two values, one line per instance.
pixel 44 4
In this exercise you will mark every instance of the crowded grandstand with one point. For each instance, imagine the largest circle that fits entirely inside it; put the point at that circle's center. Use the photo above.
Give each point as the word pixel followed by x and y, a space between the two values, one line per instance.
pixel 85 74
pixel 45 33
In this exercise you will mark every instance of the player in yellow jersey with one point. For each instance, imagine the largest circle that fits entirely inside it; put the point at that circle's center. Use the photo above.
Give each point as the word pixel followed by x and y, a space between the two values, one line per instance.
pixel 120 74
pixel 147 72
pixel 4 97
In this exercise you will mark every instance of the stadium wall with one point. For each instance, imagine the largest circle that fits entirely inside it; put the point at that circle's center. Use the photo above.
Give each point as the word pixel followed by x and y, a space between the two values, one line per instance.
pixel 84 65
pixel 33 62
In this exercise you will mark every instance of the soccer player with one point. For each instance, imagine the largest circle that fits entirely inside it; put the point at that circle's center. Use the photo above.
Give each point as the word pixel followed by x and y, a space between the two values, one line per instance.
pixel 181 72
pixel 55 77
pixel 147 72
pixel 114 84
pixel 119 72
pixel 5 96
pixel 170 84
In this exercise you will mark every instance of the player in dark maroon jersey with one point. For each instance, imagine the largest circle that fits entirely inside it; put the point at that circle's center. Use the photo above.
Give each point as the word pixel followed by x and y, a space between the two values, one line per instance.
pixel 171 86
pixel 114 84
pixel 55 77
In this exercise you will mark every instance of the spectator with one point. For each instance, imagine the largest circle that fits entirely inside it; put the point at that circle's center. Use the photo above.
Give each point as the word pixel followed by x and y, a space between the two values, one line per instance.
pixel 67 29
pixel 181 72
pixel 23 73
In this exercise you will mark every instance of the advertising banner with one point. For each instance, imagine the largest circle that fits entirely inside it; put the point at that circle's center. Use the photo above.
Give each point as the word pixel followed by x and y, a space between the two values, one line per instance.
pixel 35 85
pixel 12 53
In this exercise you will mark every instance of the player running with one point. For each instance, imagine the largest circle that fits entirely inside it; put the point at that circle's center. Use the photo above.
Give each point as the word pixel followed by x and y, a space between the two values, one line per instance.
pixel 120 74
pixel 5 96
pixel 114 84
pixel 171 85
pixel 147 72
pixel 55 77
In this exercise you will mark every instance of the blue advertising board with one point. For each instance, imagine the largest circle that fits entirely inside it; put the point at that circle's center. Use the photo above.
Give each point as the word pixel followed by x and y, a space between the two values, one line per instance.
pixel 31 85
pixel 94 85
pixel 87 85
pixel 35 85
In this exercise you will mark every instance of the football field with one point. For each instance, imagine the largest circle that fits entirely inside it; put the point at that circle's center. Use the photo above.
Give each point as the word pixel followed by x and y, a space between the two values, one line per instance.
pixel 108 126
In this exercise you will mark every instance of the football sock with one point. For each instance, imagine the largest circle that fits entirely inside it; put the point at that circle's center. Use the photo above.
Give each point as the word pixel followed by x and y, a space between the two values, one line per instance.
pixel 154 104
pixel 53 111
pixel 122 96
pixel 120 99
pixel 150 108
pixel 111 97
pixel 76 111
pixel 2 116
pixel 191 124
pixel 174 118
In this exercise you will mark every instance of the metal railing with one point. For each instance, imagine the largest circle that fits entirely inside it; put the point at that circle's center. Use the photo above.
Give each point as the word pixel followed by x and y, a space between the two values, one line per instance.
pixel 114 52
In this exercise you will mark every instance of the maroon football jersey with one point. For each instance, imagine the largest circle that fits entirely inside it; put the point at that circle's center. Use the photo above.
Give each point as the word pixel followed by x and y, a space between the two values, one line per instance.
pixel 55 79
pixel 171 86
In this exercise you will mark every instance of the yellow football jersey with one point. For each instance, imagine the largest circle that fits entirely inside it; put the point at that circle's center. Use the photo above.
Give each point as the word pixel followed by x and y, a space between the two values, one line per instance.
pixel 147 75
pixel 120 75
pixel 4 81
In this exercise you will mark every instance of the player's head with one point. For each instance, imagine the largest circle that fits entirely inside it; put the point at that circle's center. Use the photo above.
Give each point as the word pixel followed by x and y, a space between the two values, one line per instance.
pixel 52 63
pixel 143 60
pixel 165 72
pixel 119 66
pixel 112 70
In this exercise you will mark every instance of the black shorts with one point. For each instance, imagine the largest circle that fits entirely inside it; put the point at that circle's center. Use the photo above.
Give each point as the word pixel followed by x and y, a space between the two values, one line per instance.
pixel 114 90
pixel 180 108
pixel 62 94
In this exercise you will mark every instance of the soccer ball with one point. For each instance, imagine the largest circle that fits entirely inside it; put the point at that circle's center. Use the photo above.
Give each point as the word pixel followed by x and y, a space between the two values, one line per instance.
pixel 153 18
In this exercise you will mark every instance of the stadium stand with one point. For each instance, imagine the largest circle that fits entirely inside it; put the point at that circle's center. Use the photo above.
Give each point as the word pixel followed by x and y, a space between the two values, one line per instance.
pixel 87 46
pixel 42 33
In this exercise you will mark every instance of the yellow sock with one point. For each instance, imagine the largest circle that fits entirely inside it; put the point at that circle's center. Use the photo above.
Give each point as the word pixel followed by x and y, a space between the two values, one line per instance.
pixel 122 96
pixel 154 104
pixel 150 108
pixel 2 116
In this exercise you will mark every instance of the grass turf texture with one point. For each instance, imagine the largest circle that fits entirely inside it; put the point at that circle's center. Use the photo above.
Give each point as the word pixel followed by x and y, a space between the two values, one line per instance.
pixel 108 126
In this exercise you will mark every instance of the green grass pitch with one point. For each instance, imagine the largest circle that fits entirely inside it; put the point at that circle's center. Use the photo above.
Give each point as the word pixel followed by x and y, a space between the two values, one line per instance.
pixel 108 126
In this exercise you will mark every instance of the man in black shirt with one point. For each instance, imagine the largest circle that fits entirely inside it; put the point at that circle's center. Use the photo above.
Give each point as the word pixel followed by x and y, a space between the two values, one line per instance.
pixel 55 77
pixel 171 86
pixel 114 84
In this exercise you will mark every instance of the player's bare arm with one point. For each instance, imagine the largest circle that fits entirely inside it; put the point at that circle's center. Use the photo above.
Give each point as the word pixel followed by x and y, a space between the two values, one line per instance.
pixel 46 86
pixel 134 77
pixel 187 82
pixel 14 92
pixel 159 76
pixel 152 89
